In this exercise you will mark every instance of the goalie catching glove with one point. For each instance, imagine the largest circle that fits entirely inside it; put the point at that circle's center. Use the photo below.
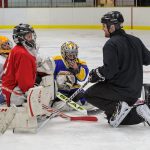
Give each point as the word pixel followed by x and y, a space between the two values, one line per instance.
pixel 65 80
pixel 95 76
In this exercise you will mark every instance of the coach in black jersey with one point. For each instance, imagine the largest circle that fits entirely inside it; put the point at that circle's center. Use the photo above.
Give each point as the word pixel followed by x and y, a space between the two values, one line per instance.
pixel 119 81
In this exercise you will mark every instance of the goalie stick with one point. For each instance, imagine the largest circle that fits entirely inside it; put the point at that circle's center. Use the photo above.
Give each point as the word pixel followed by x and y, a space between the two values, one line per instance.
pixel 77 106
pixel 78 91
pixel 56 112
pixel 70 102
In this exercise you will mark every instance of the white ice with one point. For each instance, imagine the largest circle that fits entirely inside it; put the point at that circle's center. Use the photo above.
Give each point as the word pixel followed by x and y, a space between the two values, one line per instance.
pixel 60 134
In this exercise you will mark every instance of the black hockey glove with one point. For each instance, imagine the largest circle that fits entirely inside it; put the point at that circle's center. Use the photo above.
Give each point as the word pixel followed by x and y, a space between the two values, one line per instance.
pixel 95 76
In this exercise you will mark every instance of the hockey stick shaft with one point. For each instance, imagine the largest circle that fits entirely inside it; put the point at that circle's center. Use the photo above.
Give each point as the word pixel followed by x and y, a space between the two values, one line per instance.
pixel 71 118
pixel 77 118
pixel 71 103
pixel 78 91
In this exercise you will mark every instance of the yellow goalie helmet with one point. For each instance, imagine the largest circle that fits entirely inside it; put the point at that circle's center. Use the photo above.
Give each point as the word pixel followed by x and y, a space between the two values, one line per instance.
pixel 5 45
pixel 69 52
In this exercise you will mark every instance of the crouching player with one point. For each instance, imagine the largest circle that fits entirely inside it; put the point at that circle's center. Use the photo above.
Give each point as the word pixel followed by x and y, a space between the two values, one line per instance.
pixel 18 83
pixel 69 71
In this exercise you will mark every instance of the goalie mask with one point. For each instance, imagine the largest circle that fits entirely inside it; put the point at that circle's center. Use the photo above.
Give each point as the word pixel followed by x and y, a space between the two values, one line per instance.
pixel 69 52
pixel 25 35
pixel 5 45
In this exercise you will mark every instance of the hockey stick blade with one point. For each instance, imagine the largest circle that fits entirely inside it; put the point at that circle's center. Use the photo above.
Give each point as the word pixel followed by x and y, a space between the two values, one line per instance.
pixel 83 118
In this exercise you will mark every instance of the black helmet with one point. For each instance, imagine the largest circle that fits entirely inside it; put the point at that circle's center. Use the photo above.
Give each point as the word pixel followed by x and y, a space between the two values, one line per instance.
pixel 20 31
pixel 113 17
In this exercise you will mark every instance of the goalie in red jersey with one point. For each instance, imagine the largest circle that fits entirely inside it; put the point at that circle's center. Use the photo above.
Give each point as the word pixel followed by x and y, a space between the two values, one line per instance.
pixel 20 67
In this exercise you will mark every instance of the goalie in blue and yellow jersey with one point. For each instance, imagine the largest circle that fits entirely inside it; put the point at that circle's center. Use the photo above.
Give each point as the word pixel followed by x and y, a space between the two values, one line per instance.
pixel 69 70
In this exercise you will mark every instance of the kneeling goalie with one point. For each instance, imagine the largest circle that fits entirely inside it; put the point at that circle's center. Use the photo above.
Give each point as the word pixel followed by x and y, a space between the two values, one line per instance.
pixel 69 70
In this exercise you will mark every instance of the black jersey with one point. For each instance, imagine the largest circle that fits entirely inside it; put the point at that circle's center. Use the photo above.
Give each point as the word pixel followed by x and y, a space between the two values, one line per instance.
pixel 124 56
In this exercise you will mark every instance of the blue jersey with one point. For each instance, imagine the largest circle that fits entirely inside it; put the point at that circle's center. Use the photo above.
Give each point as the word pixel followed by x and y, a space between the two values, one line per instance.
pixel 81 76
pixel 60 66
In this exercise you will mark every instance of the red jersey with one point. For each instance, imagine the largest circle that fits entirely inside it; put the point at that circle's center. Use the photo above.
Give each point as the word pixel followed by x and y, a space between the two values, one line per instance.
pixel 19 70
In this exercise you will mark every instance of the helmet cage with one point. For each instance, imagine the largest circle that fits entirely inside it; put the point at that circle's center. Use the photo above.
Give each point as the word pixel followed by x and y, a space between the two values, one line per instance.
pixel 31 43
pixel 69 52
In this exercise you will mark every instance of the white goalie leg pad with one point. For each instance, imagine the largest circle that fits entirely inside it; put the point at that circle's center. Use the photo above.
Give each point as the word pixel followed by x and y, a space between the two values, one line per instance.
pixel 22 121
pixel 47 95
pixel 37 97
pixel 34 103
pixel 7 114
pixel 48 89
pixel 18 119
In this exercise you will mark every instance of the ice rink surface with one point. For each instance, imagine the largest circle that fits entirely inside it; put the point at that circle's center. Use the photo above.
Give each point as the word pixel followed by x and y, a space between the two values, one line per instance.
pixel 59 134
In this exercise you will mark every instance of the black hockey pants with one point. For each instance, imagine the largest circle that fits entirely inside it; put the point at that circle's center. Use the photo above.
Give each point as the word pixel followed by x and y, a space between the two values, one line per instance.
pixel 105 98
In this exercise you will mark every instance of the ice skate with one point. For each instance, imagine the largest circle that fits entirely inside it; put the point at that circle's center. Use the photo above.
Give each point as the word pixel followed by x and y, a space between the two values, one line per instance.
pixel 144 112
pixel 121 112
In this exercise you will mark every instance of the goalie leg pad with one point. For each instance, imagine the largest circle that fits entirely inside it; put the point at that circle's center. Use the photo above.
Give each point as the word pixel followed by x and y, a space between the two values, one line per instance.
pixel 23 120
pixel 48 88
pixel 6 116
pixel 34 99
pixel 38 96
